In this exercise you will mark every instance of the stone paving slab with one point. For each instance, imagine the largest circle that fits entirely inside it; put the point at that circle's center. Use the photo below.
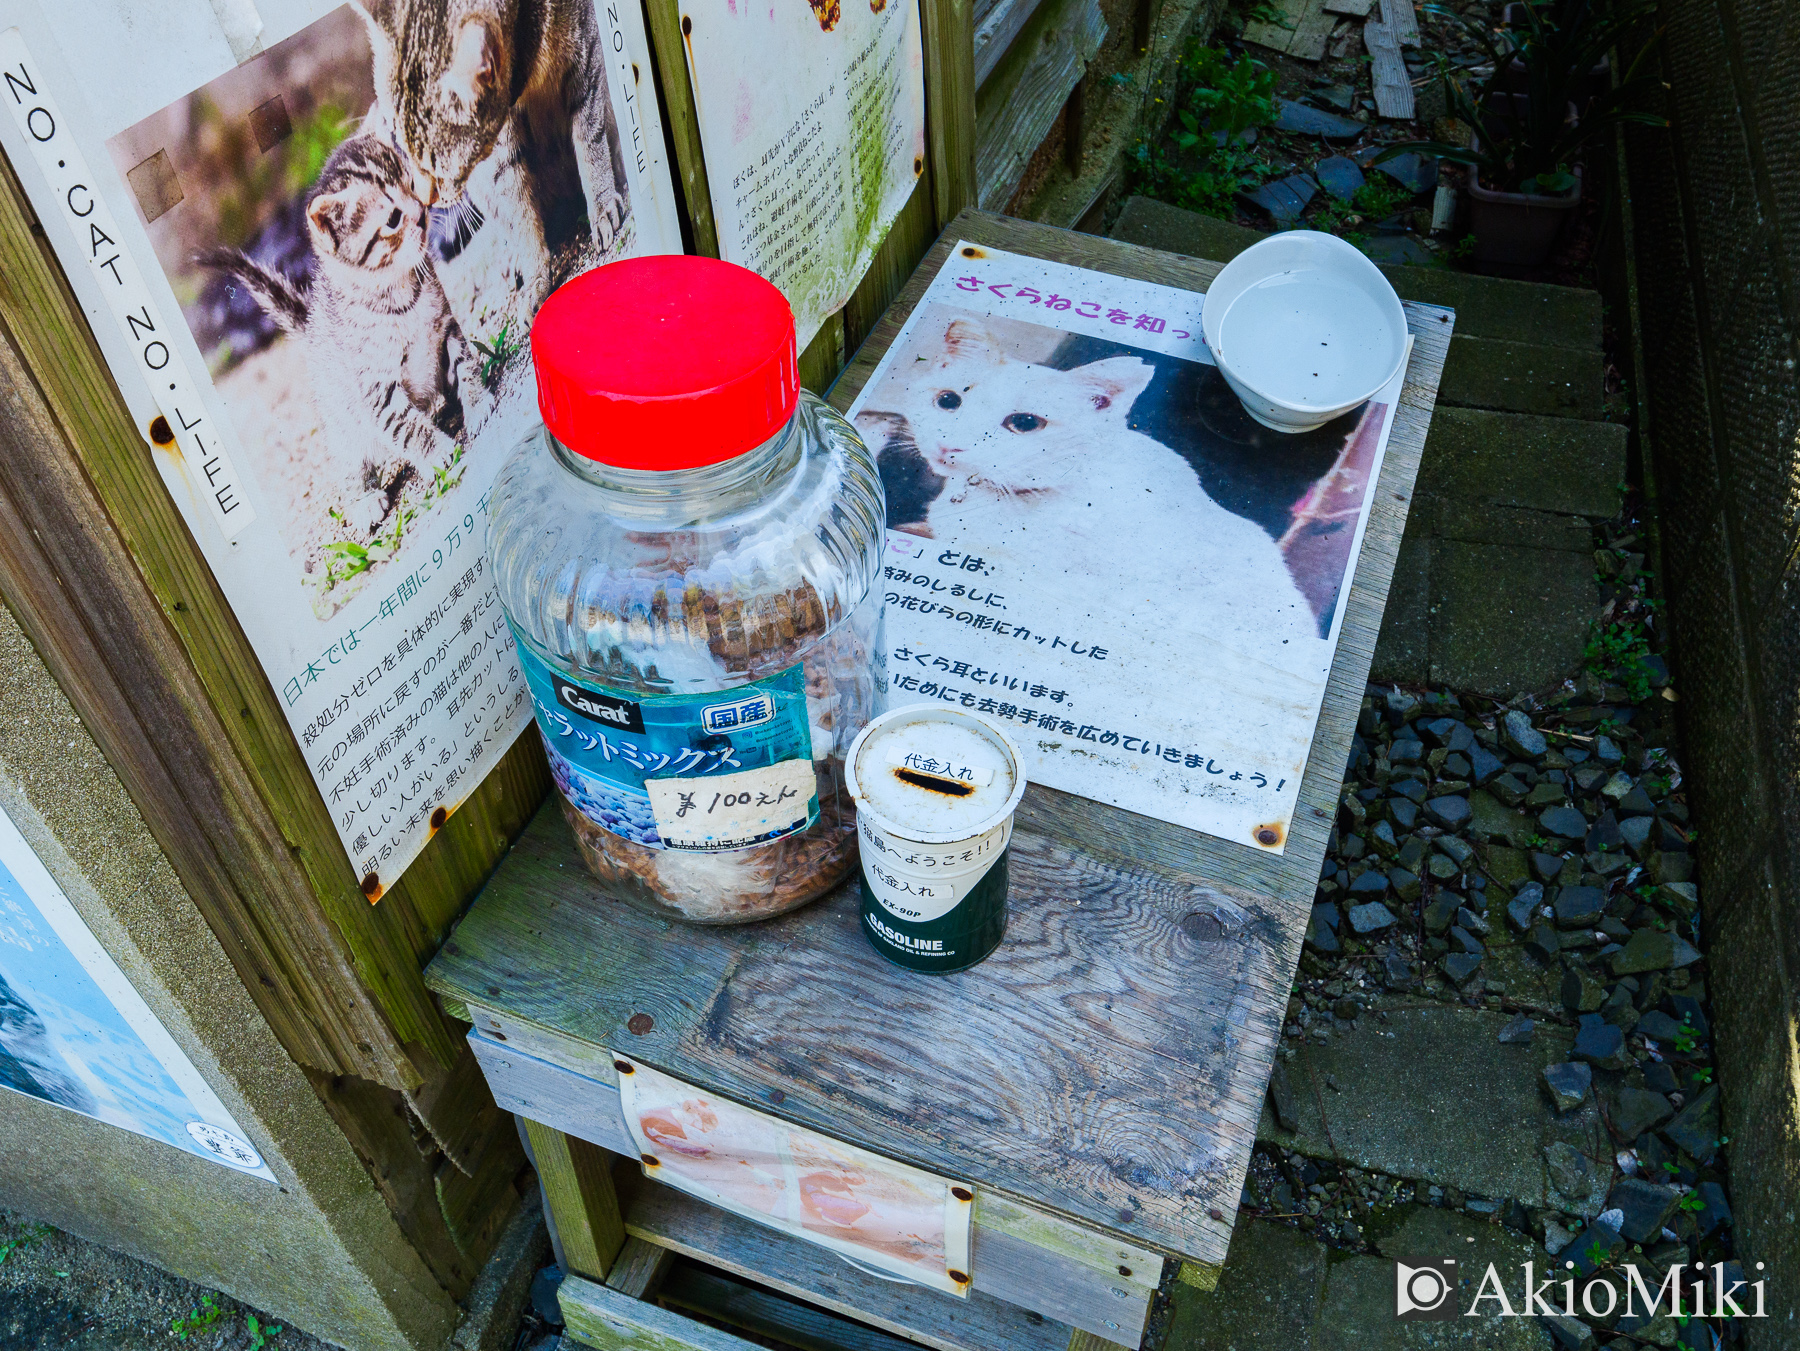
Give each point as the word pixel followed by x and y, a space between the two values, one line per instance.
pixel 1507 617
pixel 1432 1095
pixel 1520 377
pixel 1283 1291
pixel 1562 466
pixel 1268 1295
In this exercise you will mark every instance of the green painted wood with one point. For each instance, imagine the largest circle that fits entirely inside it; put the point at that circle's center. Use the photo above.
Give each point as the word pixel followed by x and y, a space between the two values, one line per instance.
pixel 1128 1036
pixel 683 121
pixel 578 1184
pixel 949 44
pixel 596 1316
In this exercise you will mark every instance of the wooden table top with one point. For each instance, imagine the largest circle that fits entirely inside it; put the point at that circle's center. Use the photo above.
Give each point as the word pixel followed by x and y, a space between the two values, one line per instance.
pixel 1108 1062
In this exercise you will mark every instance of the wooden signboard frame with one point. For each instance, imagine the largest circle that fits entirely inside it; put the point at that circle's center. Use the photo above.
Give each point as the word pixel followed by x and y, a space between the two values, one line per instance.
pixel 101 572
pixel 1098 1080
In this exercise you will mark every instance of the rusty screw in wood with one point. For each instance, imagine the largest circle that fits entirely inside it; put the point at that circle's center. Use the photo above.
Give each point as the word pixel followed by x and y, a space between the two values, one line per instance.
pixel 961 1278
pixel 1127 1216
pixel 962 1193
pixel 776 1096
pixel 1125 1271
pixel 371 885
pixel 1267 836
pixel 438 818
pixel 640 1023
pixel 687 26
pixel 651 1161
pixel 1217 1214
pixel 624 1067
pixel 160 431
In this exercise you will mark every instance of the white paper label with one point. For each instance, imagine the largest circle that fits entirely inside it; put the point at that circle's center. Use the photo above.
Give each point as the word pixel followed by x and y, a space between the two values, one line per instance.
pixel 731 811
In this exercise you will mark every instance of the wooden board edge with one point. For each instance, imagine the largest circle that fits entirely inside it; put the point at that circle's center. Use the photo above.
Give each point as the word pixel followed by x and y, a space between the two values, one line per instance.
pixel 598 1317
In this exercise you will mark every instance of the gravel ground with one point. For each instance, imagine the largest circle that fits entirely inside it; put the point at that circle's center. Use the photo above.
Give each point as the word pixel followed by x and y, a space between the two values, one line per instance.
pixel 59 1291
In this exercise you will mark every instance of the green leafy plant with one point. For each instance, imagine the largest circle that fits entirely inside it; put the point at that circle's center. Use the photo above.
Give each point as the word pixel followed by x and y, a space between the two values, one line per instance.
pixel 24 1241
pixel 347 558
pixel 1531 148
pixel 197 1319
pixel 1375 200
pixel 1692 1202
pixel 261 1334
pixel 1619 652
pixel 1687 1041
pixel 497 354
pixel 1218 101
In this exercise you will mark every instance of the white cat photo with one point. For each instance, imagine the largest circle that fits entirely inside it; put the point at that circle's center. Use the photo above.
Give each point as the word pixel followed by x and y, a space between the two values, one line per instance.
pixel 1118 524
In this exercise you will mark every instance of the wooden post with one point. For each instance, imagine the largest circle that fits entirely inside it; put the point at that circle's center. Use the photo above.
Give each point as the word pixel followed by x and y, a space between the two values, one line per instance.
pixel 949 38
pixel 669 44
pixel 577 1179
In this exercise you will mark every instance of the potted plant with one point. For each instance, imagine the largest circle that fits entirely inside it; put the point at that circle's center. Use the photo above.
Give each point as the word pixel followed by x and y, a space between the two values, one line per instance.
pixel 1526 134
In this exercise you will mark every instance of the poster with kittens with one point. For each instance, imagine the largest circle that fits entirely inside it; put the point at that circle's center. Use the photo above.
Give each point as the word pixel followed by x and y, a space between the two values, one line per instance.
pixel 313 239
pixel 1091 541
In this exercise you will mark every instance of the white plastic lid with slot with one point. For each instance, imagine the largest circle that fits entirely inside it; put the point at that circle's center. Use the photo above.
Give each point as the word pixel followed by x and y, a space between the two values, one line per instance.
pixel 934 775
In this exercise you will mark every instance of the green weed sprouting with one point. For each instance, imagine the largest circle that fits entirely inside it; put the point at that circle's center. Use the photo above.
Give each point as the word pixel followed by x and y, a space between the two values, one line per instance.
pixel 202 1316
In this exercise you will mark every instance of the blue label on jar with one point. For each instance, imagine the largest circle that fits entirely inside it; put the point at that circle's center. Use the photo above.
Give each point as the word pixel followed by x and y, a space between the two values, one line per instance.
pixel 709 772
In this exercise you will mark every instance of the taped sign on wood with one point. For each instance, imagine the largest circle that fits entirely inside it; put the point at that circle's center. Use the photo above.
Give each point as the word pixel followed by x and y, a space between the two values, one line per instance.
pixel 898 1219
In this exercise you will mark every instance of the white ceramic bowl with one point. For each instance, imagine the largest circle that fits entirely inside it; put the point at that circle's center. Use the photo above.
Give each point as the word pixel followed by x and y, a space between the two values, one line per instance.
pixel 1304 328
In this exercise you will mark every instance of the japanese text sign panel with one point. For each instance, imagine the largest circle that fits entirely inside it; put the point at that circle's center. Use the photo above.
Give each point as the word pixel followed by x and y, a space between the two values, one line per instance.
pixel 1091 541
pixel 890 1216
pixel 812 123
pixel 312 277
pixel 75 1032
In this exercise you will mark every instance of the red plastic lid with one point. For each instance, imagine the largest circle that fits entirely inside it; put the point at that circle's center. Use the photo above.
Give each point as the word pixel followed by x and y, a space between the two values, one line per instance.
pixel 667 362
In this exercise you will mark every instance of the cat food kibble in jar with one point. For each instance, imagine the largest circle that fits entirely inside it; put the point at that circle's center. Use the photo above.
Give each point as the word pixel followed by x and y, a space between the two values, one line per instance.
pixel 687 551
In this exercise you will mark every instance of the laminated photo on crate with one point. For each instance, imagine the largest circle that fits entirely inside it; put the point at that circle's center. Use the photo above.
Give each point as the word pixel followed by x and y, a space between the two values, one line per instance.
pixel 1090 540
pixel 899 1220
pixel 312 243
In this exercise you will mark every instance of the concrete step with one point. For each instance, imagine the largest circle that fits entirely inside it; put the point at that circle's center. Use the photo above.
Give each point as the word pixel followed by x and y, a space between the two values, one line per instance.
pixel 1494 587
pixel 1519 346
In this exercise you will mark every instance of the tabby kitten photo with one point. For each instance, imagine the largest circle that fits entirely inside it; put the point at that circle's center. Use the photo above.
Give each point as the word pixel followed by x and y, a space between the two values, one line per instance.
pixel 485 96
pixel 375 327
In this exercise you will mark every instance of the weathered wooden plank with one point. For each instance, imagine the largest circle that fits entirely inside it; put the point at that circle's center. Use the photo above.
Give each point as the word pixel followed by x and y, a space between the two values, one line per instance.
pixel 948 33
pixel 1020 100
pixel 477 1203
pixel 683 121
pixel 1355 9
pixel 762 1313
pixel 662 1215
pixel 1393 84
pixel 639 1268
pixel 599 1317
pixel 752 1014
pixel 1022 1255
pixel 245 828
pixel 995 31
pixel 1277 31
pixel 1401 21
pixel 1300 30
pixel 459 1112
pixel 824 355
pixel 577 1181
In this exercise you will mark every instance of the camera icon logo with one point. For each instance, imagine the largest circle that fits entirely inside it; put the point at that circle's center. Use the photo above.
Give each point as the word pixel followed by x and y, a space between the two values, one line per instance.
pixel 1424 1288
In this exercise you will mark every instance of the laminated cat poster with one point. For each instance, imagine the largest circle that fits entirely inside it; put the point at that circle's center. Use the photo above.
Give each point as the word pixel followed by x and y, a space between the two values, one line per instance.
pixel 310 239
pixel 900 1220
pixel 1091 541
pixel 75 1033
pixel 812 123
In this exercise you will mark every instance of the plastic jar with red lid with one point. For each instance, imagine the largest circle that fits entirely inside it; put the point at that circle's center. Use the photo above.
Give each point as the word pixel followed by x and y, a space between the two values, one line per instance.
pixel 688 552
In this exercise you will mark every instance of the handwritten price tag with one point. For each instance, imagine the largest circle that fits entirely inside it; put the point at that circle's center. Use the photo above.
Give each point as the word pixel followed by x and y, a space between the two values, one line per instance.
pixel 730 811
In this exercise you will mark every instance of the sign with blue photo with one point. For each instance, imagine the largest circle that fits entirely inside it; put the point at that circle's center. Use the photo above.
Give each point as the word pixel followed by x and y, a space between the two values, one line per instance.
pixel 75 1032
